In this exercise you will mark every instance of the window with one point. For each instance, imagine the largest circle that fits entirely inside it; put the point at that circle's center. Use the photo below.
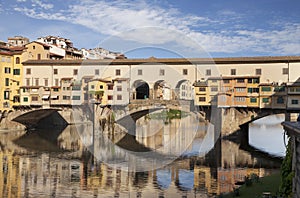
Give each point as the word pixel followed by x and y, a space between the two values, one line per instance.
pixel 55 89
pixel 208 72
pixel 110 87
pixel 233 71
pixel 75 97
pixel 46 82
pixel 214 89
pixel 265 100
pixel 161 72
pixel 140 72
pixel 39 56
pixel 239 89
pixel 285 71
pixel 118 72
pixel 75 72
pixel 36 82
pixel 7 70
pixel 295 102
pixel 109 97
pixel 185 72
pixel 119 88
pixel 279 89
pixel 33 47
pixel 96 71
pixel 226 81
pixel 255 80
pixel 240 80
pixel 25 99
pixel 202 99
pixel 265 88
pixel 27 81
pixel 101 87
pixel 6 81
pixel 258 71
pixel 56 82
pixel 34 98
pixel 253 90
pixel 55 71
pixel 18 60
pixel 6 95
pixel 28 71
pixel 202 89
pixel 16 72
pixel 253 100
pixel 280 100
pixel 66 97
pixel 240 99
pixel 119 97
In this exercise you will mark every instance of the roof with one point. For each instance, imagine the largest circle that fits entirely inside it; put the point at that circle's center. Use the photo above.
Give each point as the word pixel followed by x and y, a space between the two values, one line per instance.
pixel 170 61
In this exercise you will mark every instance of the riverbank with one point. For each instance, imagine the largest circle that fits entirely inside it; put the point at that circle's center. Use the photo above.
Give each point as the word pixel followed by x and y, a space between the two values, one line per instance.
pixel 269 184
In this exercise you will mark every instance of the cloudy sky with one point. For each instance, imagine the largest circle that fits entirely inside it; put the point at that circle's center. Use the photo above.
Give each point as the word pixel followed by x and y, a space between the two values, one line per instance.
pixel 164 28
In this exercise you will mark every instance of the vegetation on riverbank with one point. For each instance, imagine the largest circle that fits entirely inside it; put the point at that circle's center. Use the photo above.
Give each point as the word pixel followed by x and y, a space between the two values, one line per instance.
pixel 168 115
pixel 269 184
pixel 287 174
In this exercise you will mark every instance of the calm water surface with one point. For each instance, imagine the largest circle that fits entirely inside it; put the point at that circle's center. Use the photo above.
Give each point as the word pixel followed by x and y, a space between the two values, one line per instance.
pixel 60 164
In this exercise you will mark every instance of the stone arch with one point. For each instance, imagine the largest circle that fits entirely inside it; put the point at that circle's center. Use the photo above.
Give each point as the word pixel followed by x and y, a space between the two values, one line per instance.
pixel 141 90
pixel 184 90
pixel 162 90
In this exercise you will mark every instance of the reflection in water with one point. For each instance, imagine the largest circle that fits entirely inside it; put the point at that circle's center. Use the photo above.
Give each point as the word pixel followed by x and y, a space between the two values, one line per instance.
pixel 267 134
pixel 66 168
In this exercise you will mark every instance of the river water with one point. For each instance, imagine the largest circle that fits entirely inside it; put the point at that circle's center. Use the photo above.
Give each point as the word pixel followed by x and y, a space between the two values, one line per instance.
pixel 168 158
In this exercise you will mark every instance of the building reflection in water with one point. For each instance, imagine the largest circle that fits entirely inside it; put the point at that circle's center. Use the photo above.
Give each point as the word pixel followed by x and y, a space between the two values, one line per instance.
pixel 69 169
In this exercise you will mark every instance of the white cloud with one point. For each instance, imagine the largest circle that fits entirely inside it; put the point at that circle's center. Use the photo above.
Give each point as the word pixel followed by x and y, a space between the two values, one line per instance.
pixel 125 18
pixel 45 6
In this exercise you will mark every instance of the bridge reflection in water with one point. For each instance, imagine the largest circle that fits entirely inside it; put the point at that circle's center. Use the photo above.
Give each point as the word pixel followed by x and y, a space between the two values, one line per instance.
pixel 36 165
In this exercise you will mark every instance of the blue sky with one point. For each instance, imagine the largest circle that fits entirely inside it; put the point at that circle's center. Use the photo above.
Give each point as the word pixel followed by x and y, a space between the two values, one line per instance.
pixel 164 28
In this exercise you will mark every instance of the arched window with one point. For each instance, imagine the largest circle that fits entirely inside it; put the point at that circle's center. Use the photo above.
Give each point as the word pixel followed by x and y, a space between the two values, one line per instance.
pixel 18 60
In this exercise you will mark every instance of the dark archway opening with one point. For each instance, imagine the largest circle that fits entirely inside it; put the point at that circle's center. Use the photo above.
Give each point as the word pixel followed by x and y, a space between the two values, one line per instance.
pixel 142 90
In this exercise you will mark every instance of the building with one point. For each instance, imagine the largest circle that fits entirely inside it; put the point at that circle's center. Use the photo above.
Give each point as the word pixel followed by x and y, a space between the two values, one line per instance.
pixel 10 76
pixel 100 53
pixel 201 94
pixel 17 41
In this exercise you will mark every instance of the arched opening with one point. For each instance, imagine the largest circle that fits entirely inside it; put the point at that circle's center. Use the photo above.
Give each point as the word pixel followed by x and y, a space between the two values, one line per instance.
pixel 162 90
pixel 141 90
pixel 18 60
pixel 184 90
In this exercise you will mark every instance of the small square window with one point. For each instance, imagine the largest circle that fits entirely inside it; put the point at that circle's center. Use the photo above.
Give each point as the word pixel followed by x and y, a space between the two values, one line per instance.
pixel 258 71
pixel 96 71
pixel 140 72
pixel 28 71
pixel 75 72
pixel 55 71
pixel 208 72
pixel 161 72
pixel 233 72
pixel 118 72
pixel 185 72
pixel 285 71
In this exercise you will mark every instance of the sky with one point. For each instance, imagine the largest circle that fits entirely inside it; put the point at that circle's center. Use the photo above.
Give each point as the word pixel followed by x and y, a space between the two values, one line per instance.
pixel 164 28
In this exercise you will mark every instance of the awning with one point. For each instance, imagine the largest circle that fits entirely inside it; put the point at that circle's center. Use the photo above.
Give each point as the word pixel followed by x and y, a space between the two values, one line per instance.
pixel 45 97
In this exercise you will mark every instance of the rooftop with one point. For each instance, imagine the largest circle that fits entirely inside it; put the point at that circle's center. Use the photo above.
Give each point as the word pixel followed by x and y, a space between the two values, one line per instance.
pixel 170 61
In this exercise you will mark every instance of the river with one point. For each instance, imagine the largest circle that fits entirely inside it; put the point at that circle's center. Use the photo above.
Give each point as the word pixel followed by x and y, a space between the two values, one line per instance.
pixel 168 158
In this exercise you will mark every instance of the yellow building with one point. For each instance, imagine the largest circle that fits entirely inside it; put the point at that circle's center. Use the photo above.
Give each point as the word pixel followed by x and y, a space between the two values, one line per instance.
pixel 201 90
pixel 98 90
pixel 265 95
pixel 10 76
pixel 252 87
